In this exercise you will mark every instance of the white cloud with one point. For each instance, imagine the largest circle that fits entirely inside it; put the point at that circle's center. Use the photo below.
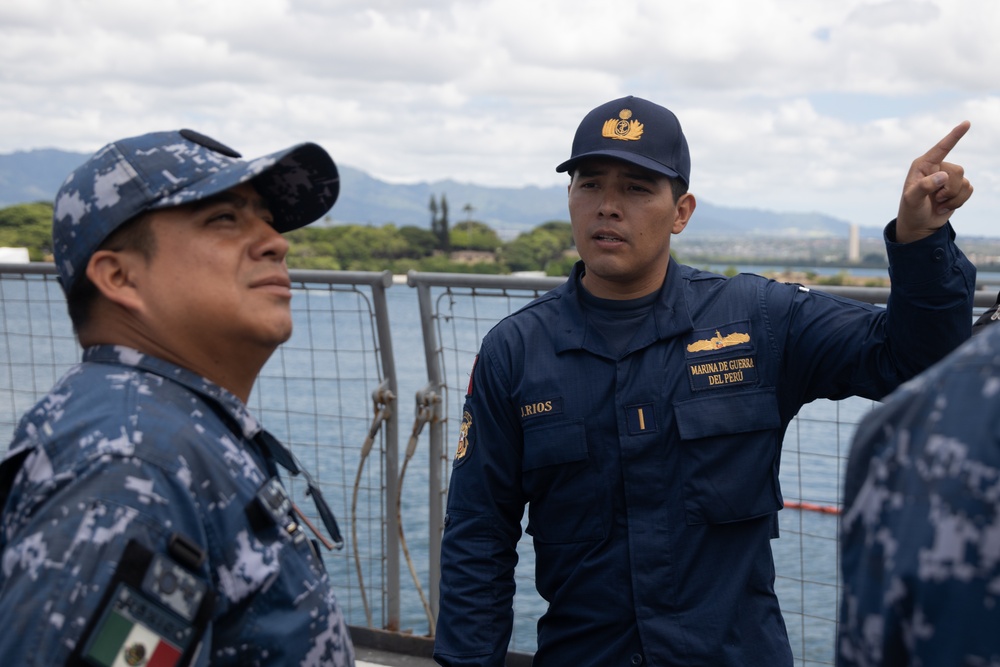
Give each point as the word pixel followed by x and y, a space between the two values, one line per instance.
pixel 788 104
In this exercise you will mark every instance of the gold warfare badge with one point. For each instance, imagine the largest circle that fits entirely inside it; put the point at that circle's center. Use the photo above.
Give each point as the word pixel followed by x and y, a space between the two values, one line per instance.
pixel 718 341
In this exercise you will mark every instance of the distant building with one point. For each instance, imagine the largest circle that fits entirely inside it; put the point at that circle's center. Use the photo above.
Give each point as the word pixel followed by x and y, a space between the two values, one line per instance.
pixel 854 244
pixel 14 256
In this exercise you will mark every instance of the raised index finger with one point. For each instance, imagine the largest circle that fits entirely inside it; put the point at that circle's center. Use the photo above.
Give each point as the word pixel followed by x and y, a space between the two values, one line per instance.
pixel 939 151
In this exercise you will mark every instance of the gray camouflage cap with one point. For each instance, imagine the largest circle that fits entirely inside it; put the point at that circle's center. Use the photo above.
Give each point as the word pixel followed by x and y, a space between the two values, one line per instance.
pixel 163 169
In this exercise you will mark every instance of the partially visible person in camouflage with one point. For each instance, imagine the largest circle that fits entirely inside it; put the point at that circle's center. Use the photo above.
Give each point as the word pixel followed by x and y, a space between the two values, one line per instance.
pixel 920 531
pixel 989 316
pixel 143 521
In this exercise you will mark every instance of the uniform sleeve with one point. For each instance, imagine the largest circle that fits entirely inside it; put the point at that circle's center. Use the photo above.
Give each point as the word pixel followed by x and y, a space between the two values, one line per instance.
pixel 64 537
pixel 930 304
pixel 482 526
pixel 837 347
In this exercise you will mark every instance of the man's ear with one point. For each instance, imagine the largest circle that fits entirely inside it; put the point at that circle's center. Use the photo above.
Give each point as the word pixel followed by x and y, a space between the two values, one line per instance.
pixel 685 208
pixel 113 273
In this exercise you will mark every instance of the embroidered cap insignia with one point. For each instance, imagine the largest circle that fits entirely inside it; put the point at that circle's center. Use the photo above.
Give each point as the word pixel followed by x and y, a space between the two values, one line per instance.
pixel 623 128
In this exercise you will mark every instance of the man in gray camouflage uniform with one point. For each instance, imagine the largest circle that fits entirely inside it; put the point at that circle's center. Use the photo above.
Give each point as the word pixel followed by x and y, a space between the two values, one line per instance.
pixel 920 532
pixel 143 522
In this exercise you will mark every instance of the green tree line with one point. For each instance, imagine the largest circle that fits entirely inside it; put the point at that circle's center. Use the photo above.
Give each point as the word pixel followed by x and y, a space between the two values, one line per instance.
pixel 466 246
pixel 471 247
pixel 28 226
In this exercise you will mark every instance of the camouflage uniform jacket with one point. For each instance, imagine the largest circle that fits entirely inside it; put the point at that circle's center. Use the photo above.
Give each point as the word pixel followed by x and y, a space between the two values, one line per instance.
pixel 129 447
pixel 920 532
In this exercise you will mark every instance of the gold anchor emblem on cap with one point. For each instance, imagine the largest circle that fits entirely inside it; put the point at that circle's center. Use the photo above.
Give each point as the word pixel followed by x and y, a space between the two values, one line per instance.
pixel 623 128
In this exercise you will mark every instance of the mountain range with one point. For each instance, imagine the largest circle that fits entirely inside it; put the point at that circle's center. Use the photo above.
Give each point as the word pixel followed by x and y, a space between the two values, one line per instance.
pixel 35 175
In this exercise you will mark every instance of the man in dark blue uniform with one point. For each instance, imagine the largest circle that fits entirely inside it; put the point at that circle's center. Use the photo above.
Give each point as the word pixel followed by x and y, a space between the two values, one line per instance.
pixel 638 411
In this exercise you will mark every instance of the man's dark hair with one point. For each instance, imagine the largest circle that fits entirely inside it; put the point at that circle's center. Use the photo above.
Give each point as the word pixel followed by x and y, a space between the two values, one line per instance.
pixel 137 235
pixel 678 187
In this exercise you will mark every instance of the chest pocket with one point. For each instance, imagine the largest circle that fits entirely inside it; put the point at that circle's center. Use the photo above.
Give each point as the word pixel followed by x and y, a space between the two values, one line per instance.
pixel 278 587
pixel 730 452
pixel 566 501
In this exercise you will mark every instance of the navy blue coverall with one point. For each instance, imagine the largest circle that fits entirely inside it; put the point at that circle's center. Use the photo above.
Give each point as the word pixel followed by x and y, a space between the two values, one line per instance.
pixel 651 475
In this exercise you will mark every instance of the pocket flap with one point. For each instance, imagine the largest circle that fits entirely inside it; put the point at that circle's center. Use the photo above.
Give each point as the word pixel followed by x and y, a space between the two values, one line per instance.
pixel 728 414
pixel 551 444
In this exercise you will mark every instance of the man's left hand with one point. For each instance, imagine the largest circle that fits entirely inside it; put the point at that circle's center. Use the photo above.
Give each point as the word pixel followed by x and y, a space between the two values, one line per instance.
pixel 933 189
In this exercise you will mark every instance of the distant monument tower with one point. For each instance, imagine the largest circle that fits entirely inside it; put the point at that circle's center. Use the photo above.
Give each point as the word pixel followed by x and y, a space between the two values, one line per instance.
pixel 854 245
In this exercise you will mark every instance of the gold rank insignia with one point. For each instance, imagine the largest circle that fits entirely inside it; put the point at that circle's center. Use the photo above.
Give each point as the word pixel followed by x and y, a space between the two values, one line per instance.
pixel 463 437
pixel 623 128
pixel 718 341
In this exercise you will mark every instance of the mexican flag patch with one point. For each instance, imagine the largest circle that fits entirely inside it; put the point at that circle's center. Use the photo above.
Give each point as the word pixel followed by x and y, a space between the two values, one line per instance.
pixel 122 640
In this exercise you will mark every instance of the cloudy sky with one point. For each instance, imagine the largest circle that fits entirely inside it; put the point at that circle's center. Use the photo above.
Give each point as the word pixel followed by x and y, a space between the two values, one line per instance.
pixel 789 105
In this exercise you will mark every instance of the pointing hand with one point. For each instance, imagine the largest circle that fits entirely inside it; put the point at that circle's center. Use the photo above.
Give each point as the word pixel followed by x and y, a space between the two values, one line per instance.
pixel 933 189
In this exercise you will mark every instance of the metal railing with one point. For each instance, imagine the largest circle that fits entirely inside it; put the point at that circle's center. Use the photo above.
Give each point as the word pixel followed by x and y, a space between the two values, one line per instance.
pixel 453 321
pixel 329 393
pixel 332 393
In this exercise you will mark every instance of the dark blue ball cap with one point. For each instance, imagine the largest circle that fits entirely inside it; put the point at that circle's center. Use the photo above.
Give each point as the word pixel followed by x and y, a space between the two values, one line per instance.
pixel 634 130
pixel 164 169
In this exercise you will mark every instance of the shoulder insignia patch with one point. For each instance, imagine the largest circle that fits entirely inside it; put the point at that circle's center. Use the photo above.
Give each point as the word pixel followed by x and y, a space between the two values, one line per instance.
pixel 463 437
pixel 153 613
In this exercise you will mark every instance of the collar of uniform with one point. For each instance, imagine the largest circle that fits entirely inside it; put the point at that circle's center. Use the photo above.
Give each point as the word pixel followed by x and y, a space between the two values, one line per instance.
pixel 126 356
pixel 670 316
